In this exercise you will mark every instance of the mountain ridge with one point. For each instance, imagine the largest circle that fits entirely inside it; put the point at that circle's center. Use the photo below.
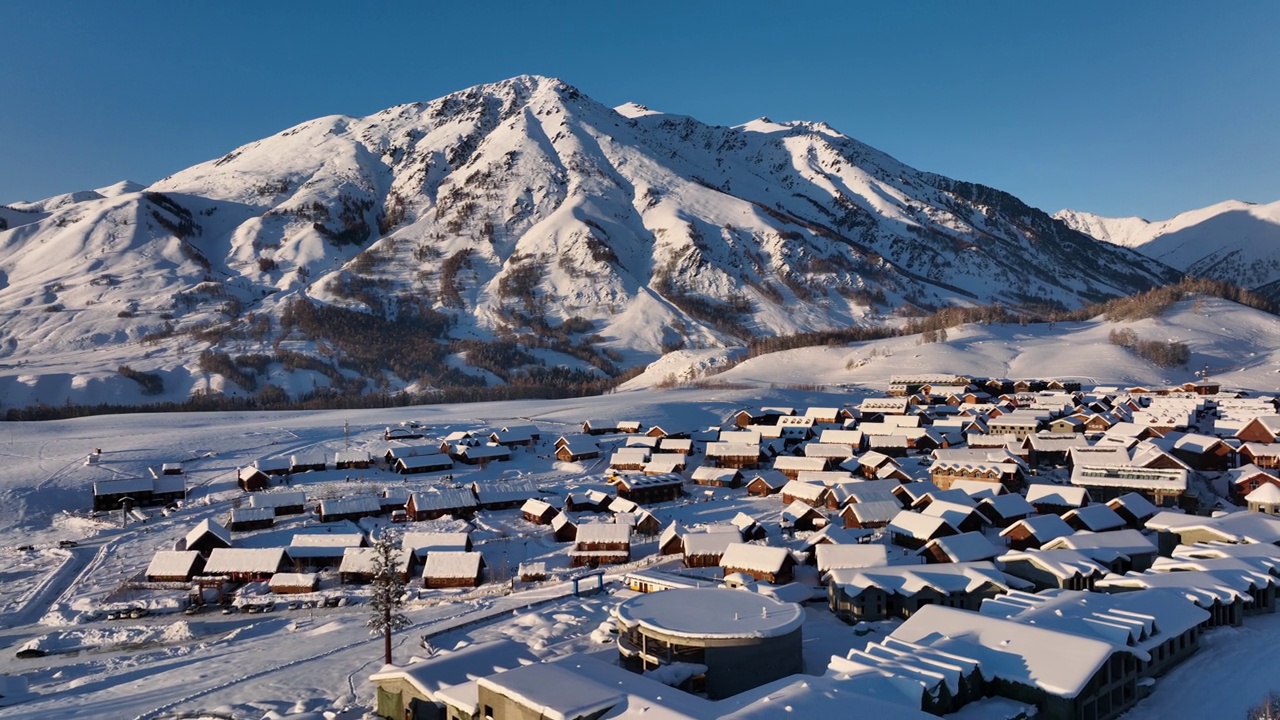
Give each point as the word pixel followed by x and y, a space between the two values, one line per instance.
pixel 512 229
pixel 1234 240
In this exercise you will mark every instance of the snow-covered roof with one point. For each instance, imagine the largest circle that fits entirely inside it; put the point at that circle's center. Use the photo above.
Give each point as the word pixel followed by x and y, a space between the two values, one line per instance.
pixel 1009 505
pixel 1267 494
pixel 830 556
pixel 425 542
pixel 172 563
pixel 225 561
pixel 771 478
pixel 812 492
pixel 251 514
pixel 423 462
pixel 1064 564
pixel 444 499
pixel 536 507
pixel 1139 619
pixel 704 473
pixel 732 449
pixel 293 580
pixel 911 579
pixel 505 491
pixel 553 692
pixel 709 543
pixel 458 666
pixel 1137 505
pixel 351 505
pixel 1097 517
pixel 875 511
pixel 709 613
pixel 1163 479
pixel 953 513
pixel 612 533
pixel 977 489
pixel 637 482
pixel 351 456
pixel 795 462
pixel 754 558
pixel 1058 663
pixel 208 527
pixel 1043 527
pixel 965 547
pixel 277 499
pixel 272 464
pixel 915 525
pixel 452 564
pixel 1047 494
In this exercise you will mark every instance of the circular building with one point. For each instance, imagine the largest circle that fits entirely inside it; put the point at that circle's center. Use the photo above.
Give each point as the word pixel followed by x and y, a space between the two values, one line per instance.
pixel 713 640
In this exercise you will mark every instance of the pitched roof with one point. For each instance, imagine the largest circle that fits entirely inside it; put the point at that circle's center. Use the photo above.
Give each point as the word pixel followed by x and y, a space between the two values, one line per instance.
pixel 756 558
pixel 452 564
pixel 172 563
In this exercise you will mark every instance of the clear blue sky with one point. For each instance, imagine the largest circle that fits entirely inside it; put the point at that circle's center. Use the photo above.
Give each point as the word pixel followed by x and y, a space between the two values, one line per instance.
pixel 1120 108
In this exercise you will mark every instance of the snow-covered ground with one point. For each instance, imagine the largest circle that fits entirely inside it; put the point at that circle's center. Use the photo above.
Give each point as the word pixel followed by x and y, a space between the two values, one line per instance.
pixel 293 661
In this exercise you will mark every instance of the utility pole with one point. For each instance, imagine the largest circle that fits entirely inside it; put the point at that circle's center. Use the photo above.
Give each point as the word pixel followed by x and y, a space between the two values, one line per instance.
pixel 346 433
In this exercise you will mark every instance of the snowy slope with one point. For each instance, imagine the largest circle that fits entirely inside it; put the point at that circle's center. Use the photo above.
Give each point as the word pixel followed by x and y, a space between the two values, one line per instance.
pixel 1234 241
pixel 517 208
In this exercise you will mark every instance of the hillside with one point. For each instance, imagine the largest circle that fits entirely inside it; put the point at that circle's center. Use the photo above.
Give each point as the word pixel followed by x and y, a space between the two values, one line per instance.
pixel 1235 241
pixel 516 233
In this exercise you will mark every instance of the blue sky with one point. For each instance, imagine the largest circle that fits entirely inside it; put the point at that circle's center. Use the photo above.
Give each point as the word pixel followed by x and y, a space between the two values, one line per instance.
pixel 1119 108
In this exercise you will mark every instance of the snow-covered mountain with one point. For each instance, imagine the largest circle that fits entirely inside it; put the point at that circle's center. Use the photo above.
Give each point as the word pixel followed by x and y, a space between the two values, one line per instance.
pixel 1235 241
pixel 517 226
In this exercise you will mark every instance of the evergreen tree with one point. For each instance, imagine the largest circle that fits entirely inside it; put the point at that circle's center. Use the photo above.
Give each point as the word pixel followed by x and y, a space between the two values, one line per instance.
pixel 387 597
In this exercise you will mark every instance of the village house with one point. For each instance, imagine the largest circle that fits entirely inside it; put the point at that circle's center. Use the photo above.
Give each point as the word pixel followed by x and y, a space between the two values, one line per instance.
pixel 459 502
pixel 803 517
pixel 832 556
pixel 1162 487
pixel 323 549
pixel 912 530
pixel 965 547
pixel 251 479
pixel 412 691
pixel 1160 624
pixel 648 489
pixel 629 458
pixel 359 565
pixel 1067 569
pixel 1093 518
pixel 1261 429
pixel 705 549
pixel 577 448
pixel 878 593
pixel 563 529
pixel 250 518
pixel 1135 509
pixel 869 515
pixel 273 466
pixel 308 461
pixel 1120 551
pixel 708 476
pixel 286 502
pixel 139 492
pixel 760 562
pixel 792 465
pixel 1247 478
pixel 349 508
pixel 205 537
pixel 453 569
pixel 765 483
pixel 538 512
pixel 601 544
pixel 1034 531
pixel 174 566
pixel 293 583
pixel 1263 455
pixel 1266 499
pixel 1056 499
pixel 1064 675
pixel 245 564
pixel 1004 510
pixel 422 464
pixel 811 494
pixel 503 494
pixel 352 460
pixel 740 455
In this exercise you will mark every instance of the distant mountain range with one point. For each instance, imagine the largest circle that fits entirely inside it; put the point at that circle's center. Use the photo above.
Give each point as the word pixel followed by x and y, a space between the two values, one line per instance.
pixel 1235 241
pixel 517 232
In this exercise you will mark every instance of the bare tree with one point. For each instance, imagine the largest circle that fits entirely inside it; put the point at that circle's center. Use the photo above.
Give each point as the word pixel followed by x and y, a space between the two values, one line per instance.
pixel 1268 709
pixel 387 597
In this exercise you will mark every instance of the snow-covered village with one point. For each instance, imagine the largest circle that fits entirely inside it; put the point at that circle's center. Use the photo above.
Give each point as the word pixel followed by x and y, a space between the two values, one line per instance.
pixel 937 544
